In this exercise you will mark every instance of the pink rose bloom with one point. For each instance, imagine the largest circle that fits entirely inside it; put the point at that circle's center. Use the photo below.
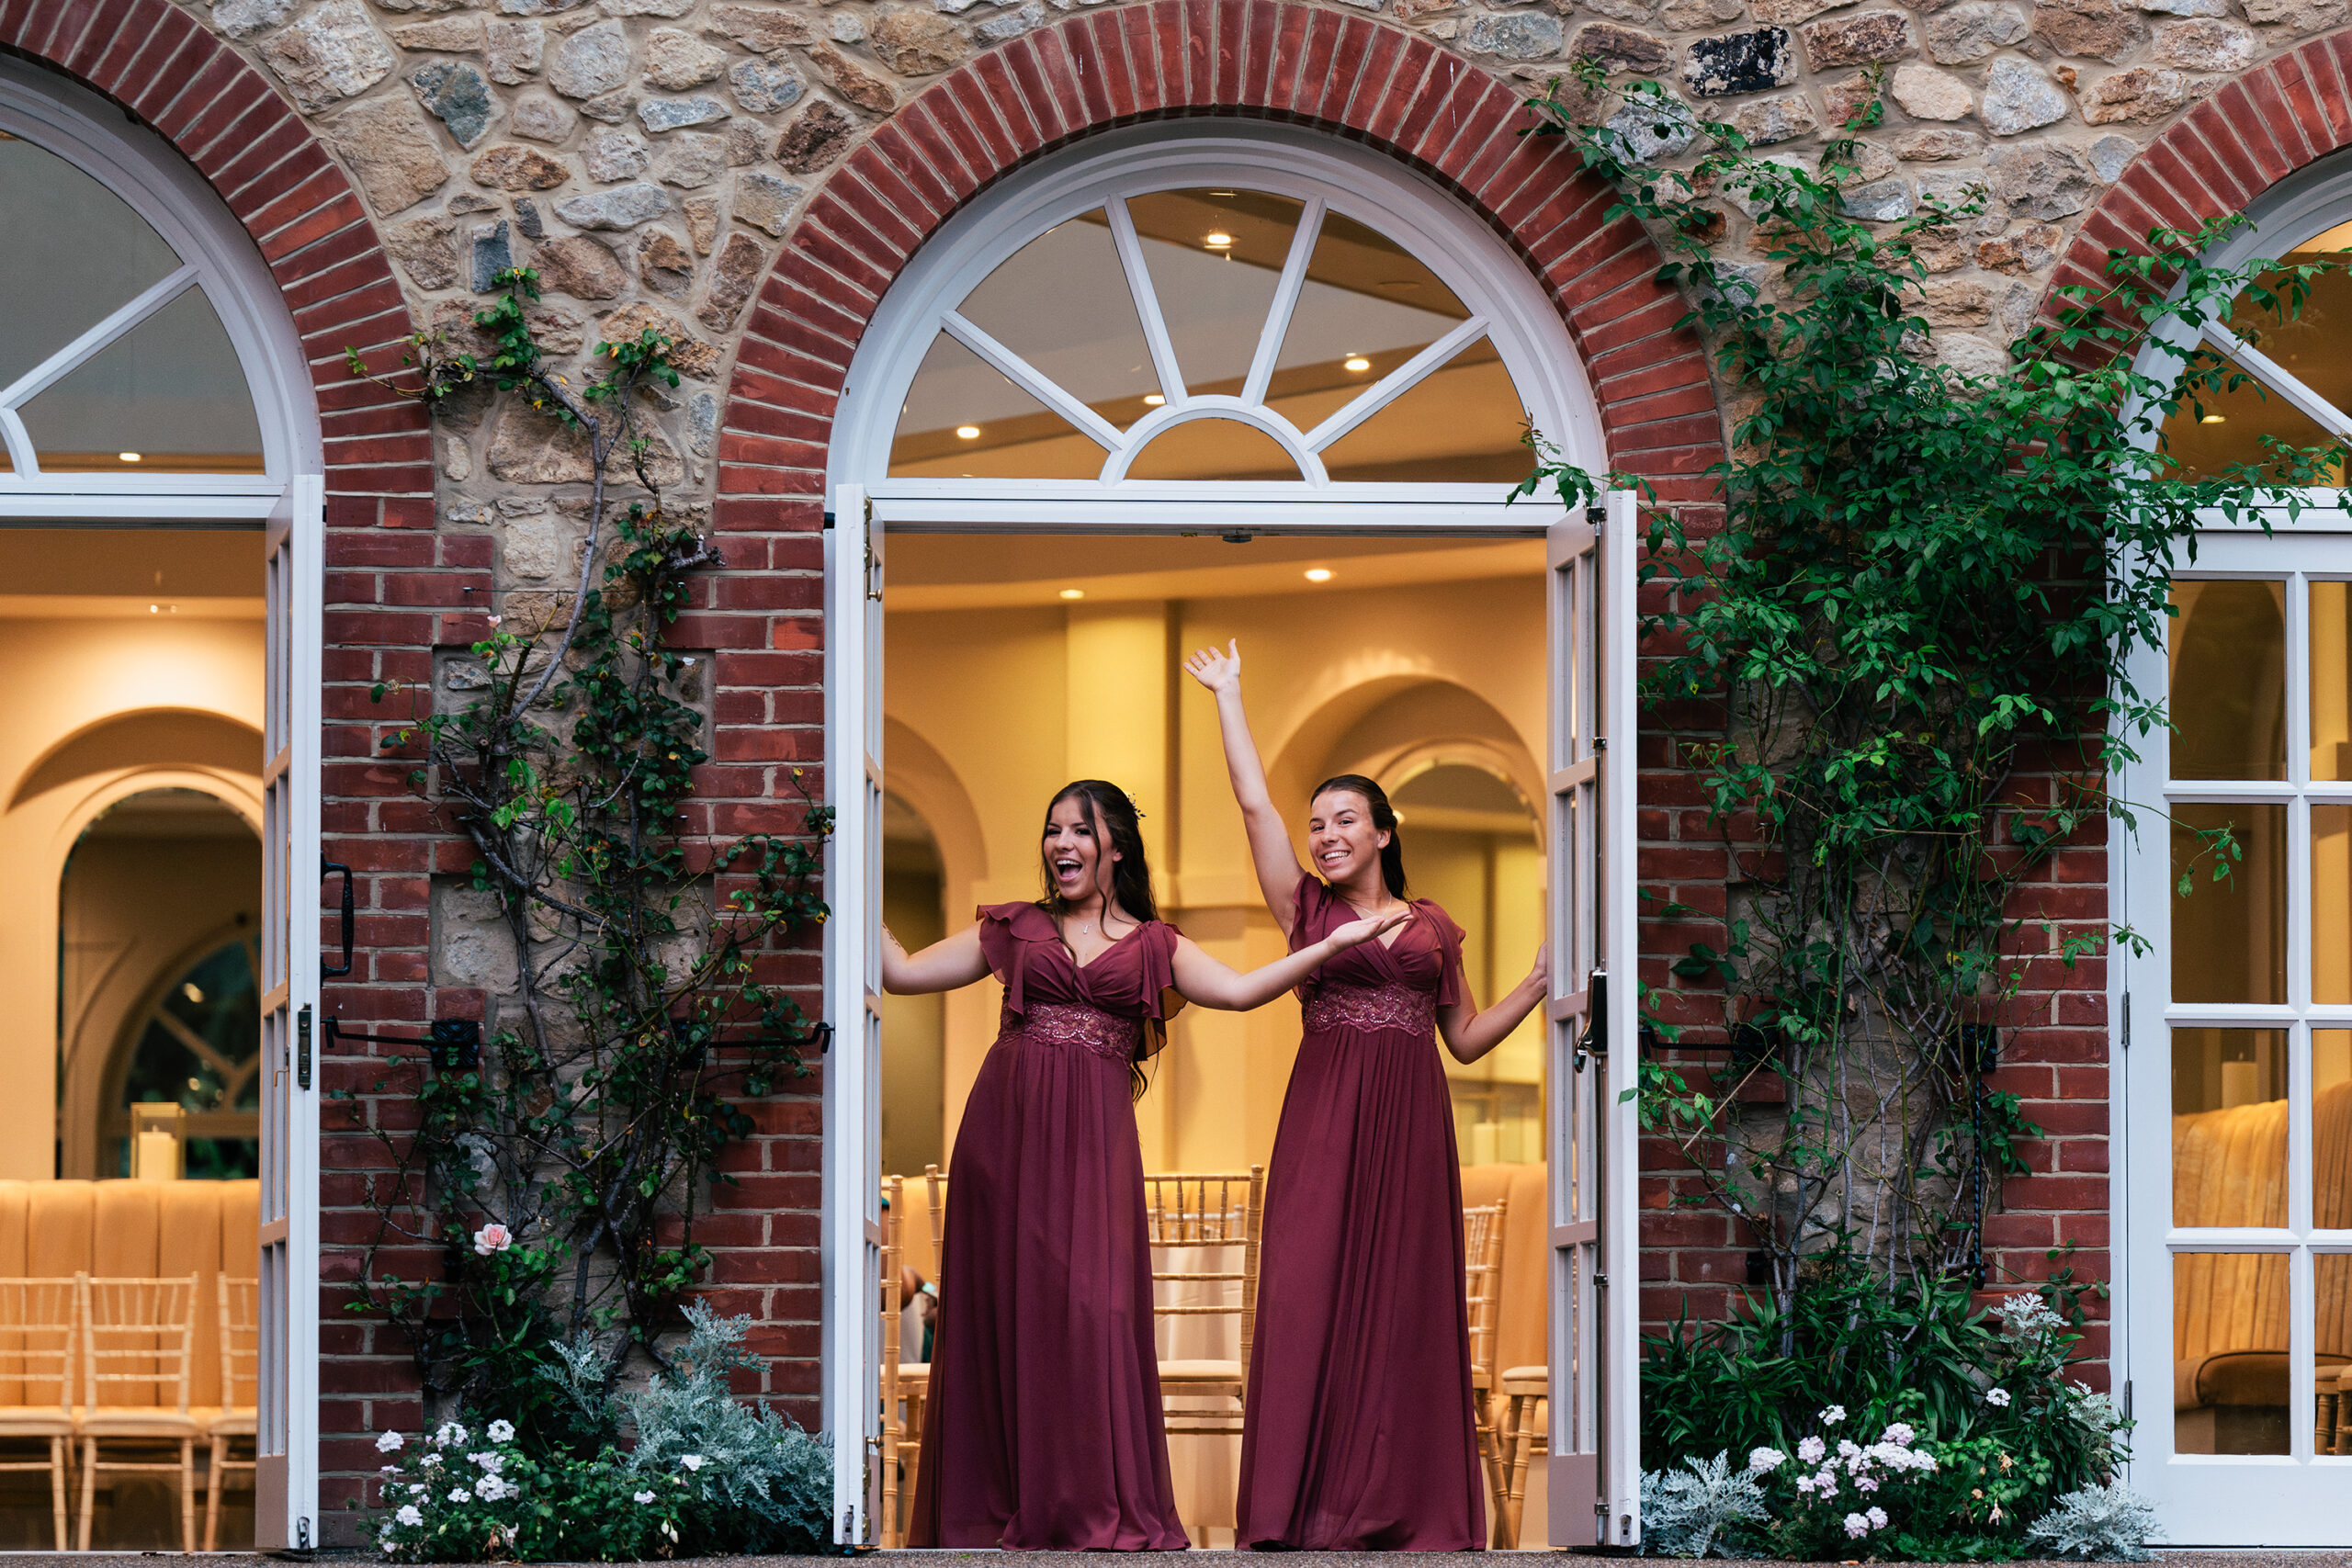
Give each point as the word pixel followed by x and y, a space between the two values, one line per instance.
pixel 492 1237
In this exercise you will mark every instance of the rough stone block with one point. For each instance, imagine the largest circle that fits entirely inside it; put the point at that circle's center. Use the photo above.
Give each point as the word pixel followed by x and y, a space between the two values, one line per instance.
pixel 1925 93
pixel 2018 97
pixel 517 168
pixel 623 207
pixel 493 253
pixel 1974 30
pixel 1753 61
pixel 2139 93
pixel 762 86
pixel 1621 48
pixel 1518 35
pixel 330 55
pixel 767 202
pixel 676 61
pixel 593 61
pixel 459 95
pixel 1869 38
pixel 391 152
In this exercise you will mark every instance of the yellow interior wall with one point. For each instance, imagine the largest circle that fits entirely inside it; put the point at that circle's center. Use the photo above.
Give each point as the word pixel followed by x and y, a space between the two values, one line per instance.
pixel 60 675
pixel 1011 703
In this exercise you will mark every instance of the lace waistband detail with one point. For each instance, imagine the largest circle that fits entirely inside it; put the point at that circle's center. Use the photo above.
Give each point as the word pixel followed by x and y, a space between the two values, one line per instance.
pixel 1075 1023
pixel 1372 1007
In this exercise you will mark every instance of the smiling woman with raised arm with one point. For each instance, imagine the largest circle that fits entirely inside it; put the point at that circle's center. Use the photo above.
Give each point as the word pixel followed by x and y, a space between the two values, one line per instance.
pixel 1043 1428
pixel 1359 1432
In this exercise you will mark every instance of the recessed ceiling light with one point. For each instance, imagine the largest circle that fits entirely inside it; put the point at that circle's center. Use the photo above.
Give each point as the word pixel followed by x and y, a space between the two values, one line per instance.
pixel 128 456
pixel 1358 363
pixel 967 431
pixel 1153 399
pixel 154 609
pixel 1216 242
pixel 2215 419
pixel 1318 574
pixel 1073 593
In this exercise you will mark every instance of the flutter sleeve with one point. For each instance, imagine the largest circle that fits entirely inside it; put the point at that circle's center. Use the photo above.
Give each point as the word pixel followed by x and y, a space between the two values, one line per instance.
pixel 1009 936
pixel 1452 988
pixel 1310 906
pixel 1156 986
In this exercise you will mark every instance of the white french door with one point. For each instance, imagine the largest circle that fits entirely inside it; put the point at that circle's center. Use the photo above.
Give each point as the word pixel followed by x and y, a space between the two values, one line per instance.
pixel 1594 1484
pixel 286 1477
pixel 2237 1036
pixel 853 1068
pixel 1596 1465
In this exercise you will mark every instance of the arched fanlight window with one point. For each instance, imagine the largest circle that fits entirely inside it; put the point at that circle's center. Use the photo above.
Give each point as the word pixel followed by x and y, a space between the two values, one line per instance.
pixel 111 357
pixel 2294 379
pixel 1234 307
pixel 200 1047
pixel 147 370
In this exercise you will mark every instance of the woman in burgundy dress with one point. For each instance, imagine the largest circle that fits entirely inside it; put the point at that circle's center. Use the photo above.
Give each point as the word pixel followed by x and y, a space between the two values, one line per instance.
pixel 1360 1432
pixel 1042 1426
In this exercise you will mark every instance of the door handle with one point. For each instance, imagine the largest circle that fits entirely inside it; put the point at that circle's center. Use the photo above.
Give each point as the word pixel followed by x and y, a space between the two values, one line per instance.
pixel 330 868
pixel 1594 1041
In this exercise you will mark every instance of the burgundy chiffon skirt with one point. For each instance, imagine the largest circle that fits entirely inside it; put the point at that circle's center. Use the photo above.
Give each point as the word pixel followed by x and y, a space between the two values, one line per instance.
pixel 1360 1432
pixel 1043 1429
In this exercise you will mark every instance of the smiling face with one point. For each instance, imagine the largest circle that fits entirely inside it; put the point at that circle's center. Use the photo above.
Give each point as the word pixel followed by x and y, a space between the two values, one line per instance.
pixel 1342 841
pixel 1078 854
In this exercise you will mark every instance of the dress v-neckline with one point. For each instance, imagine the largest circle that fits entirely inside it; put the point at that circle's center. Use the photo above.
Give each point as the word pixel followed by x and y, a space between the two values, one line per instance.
pixel 1387 942
pixel 1083 966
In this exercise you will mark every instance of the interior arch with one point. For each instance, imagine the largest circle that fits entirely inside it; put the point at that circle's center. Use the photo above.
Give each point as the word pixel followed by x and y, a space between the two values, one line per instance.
pixel 146 740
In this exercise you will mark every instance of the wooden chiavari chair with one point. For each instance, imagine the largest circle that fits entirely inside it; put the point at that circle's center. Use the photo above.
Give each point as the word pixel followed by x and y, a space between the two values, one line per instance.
pixel 138 1351
pixel 240 1307
pixel 40 1323
pixel 1198 1219
pixel 1482 1256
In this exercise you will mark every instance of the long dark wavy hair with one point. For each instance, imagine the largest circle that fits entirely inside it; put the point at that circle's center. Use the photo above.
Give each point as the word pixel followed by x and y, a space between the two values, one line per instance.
pixel 1384 817
pixel 1119 825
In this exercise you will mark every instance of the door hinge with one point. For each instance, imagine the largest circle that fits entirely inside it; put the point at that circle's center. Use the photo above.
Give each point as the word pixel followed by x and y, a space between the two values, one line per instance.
pixel 302 1047
pixel 303 1534
pixel 2126 1020
pixel 2126 1399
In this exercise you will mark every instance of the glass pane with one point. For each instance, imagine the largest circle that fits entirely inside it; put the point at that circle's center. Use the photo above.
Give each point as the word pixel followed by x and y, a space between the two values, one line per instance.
pixel 2332 1129
pixel 2229 938
pixel 1062 304
pixel 2332 904
pixel 2225 424
pixel 963 419
pixel 166 397
pixel 75 254
pixel 2229 681
pixel 2229 1127
pixel 1461 422
pixel 1212 450
pixel 1365 309
pixel 1214 257
pixel 2332 1294
pixel 2331 680
pixel 2315 345
pixel 2229 1328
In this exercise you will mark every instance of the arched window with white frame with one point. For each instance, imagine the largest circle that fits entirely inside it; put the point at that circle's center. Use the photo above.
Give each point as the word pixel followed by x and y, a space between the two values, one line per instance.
pixel 1242 331
pixel 2234 1028
pixel 161 542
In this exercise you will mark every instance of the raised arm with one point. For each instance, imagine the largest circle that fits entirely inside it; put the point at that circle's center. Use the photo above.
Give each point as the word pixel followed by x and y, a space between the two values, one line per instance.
pixel 1270 846
pixel 944 966
pixel 1213 983
pixel 1470 1034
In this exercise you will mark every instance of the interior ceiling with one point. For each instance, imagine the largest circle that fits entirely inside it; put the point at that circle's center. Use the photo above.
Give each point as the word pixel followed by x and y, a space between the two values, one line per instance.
pixel 169 813
pixel 964 572
pixel 50 573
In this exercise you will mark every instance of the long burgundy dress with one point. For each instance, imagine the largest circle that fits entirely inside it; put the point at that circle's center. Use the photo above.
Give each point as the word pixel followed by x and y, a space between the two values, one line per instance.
pixel 1043 1429
pixel 1361 1433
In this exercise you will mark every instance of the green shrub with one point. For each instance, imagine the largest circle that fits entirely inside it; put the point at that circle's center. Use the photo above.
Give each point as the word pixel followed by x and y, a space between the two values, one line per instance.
pixel 705 1474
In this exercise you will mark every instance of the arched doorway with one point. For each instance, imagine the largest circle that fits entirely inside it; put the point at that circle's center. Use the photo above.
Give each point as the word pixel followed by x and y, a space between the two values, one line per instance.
pixel 160 541
pixel 1180 383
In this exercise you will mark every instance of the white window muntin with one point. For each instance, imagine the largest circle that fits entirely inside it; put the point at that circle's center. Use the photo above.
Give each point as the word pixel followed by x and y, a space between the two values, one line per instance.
pixel 1505 301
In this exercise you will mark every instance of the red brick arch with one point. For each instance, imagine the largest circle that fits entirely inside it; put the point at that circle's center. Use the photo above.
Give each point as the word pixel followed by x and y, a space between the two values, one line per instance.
pixel 229 122
pixel 1170 59
pixel 2221 155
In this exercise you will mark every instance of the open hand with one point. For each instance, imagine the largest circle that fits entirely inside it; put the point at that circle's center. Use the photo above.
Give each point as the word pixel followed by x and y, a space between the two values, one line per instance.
pixel 1219 672
pixel 1357 932
pixel 1540 976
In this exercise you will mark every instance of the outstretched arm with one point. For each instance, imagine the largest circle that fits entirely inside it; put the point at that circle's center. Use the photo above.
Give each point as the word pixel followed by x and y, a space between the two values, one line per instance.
pixel 1212 984
pixel 1470 1034
pixel 1270 847
pixel 943 966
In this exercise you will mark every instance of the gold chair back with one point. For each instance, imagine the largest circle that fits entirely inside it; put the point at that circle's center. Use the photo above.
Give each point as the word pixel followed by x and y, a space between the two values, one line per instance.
pixel 1481 1255
pixel 138 1342
pixel 37 1322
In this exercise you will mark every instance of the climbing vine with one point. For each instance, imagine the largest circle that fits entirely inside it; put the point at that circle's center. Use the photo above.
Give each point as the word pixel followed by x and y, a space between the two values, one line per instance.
pixel 1907 652
pixel 557 1173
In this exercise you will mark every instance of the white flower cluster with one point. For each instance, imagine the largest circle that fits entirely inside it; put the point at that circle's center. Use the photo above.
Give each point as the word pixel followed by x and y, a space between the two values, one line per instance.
pixel 1823 1474
pixel 487 1482
pixel 2025 1314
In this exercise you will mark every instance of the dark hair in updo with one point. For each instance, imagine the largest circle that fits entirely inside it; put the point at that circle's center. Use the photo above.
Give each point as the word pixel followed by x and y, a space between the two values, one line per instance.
pixel 1117 826
pixel 1384 817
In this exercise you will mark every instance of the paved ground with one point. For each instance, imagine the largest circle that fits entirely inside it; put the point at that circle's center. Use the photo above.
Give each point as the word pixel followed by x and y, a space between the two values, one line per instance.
pixel 2238 1559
